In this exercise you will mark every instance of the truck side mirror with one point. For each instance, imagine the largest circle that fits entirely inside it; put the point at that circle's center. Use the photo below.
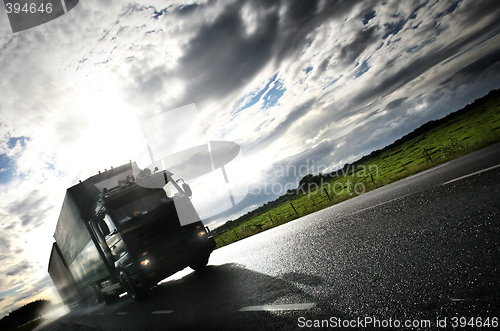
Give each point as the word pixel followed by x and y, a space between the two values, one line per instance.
pixel 104 228
pixel 187 190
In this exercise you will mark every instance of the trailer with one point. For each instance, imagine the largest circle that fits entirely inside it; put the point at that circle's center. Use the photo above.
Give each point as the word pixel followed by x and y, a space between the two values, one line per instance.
pixel 116 235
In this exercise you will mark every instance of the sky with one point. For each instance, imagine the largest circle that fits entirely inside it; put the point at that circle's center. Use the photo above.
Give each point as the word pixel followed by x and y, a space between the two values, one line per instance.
pixel 298 85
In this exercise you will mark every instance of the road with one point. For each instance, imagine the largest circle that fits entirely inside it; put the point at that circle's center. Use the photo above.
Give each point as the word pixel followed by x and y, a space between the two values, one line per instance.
pixel 424 251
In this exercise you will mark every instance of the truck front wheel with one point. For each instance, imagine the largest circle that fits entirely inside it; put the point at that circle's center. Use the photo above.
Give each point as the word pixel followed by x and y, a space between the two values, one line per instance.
pixel 133 291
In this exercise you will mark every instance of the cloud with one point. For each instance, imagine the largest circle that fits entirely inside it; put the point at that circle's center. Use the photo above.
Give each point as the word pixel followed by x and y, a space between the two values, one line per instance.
pixel 21 268
pixel 289 81
pixel 470 71
pixel 396 103
pixel 32 210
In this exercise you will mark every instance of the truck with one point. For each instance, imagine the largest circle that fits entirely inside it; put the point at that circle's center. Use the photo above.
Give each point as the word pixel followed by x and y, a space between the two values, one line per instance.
pixel 116 234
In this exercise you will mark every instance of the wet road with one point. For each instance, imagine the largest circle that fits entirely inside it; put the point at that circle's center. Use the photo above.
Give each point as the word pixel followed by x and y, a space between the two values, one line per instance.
pixel 409 254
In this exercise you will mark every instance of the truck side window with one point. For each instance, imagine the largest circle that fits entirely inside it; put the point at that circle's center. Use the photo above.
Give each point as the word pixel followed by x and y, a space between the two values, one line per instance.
pixel 103 227
pixel 110 225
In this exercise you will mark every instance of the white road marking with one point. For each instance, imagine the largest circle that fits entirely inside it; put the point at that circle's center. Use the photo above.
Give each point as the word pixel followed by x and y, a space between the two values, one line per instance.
pixel 472 174
pixel 64 6
pixel 156 312
pixel 297 306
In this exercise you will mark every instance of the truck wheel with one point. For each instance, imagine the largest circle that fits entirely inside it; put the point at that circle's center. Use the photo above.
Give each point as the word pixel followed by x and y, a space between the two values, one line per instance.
pixel 199 264
pixel 133 291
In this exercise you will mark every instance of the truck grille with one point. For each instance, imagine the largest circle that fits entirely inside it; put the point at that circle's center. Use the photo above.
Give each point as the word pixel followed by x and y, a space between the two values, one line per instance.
pixel 159 233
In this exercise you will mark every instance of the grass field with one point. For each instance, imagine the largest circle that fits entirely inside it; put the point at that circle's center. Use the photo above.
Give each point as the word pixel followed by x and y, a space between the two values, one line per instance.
pixel 31 325
pixel 455 137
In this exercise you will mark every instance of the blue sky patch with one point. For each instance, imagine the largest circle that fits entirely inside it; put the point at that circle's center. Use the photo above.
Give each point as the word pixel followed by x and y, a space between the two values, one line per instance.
pixel 7 168
pixel 271 93
pixel 363 69
pixel 368 17
pixel 274 94
pixel 333 82
pixel 8 164
pixel 393 28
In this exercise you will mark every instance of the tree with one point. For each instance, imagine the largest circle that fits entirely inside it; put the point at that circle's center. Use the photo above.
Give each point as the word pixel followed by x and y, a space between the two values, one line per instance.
pixel 23 315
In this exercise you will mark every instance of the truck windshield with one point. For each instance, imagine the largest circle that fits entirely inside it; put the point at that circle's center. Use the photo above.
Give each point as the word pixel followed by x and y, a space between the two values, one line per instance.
pixel 130 206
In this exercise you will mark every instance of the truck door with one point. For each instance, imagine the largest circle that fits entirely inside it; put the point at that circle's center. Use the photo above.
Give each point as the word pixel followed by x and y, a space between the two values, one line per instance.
pixel 110 240
pixel 113 238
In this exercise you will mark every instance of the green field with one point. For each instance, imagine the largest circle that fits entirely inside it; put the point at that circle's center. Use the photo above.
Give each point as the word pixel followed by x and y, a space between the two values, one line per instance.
pixel 474 127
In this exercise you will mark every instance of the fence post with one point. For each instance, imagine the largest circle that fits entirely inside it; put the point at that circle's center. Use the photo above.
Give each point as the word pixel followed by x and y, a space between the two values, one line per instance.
pixel 371 176
pixel 294 209
pixel 425 151
pixel 328 195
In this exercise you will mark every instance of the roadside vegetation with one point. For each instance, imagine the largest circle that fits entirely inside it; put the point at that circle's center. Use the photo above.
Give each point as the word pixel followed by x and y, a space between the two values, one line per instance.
pixel 475 126
pixel 25 318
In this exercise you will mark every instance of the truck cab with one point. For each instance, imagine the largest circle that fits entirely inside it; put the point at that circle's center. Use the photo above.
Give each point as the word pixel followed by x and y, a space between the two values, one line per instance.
pixel 139 233
pixel 117 235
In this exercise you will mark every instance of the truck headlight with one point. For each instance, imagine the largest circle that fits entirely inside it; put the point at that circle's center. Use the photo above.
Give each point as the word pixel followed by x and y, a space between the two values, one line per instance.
pixel 201 234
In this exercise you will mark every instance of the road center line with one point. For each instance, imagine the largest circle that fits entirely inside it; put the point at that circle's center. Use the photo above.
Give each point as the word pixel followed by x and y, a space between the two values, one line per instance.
pixel 472 174
pixel 297 306
pixel 158 312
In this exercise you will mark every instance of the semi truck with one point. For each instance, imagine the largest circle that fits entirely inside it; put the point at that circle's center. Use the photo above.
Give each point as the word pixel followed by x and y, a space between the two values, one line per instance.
pixel 116 234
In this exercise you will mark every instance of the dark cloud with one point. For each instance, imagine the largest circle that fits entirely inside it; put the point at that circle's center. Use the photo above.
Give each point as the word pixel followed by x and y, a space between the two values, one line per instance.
pixel 417 67
pixel 295 29
pixel 396 103
pixel 301 11
pixel 221 58
pixel 470 71
pixel 477 11
pixel 19 269
pixel 350 53
pixel 393 28
pixel 5 242
pixel 31 210
pixel 219 50
pixel 368 16
pixel 448 10
pixel 187 9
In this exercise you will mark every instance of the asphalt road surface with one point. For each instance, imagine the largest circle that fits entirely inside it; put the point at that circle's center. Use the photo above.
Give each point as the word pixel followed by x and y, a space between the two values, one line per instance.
pixel 422 253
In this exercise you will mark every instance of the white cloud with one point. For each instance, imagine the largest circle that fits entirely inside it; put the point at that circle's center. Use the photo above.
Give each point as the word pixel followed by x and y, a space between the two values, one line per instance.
pixel 76 89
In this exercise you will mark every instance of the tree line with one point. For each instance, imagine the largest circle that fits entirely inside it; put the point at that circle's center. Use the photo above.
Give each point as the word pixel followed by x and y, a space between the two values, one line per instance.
pixel 23 315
